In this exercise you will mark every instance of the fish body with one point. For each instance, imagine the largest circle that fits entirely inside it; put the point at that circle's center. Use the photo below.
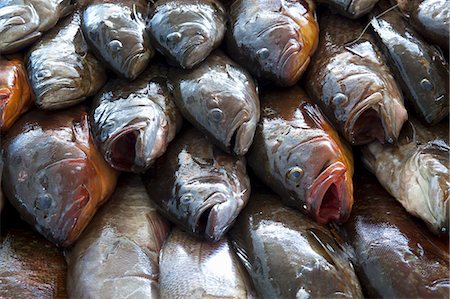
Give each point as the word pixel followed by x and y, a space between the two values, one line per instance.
pixel 288 255
pixel 22 22
pixel 416 172
pixel 62 72
pixel 300 156
pixel 197 186
pixel 274 40
pixel 54 176
pixel 186 31
pixel 395 255
pixel 133 122
pixel 352 84
pixel 352 9
pixel 15 91
pixel 118 254
pixel 419 68
pixel 115 30
pixel 191 268
pixel 220 98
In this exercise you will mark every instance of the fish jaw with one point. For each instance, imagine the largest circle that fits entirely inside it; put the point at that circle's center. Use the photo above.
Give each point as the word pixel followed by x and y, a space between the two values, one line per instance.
pixel 329 196
pixel 137 63
pixel 195 54
pixel 240 136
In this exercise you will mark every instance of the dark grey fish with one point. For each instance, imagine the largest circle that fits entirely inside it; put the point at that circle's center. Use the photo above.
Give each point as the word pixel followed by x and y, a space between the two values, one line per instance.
pixel 220 98
pixel 117 256
pixel 186 31
pixel 191 268
pixel 288 255
pixel 352 9
pixel 115 30
pixel 197 186
pixel 22 22
pixel 133 122
pixel 61 71
pixel 419 68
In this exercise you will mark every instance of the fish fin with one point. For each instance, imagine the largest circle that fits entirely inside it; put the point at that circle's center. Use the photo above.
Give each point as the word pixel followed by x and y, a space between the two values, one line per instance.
pixel 315 115
pixel 80 130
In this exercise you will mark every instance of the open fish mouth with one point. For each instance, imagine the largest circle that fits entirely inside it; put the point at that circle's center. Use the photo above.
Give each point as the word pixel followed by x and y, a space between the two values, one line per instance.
pixel 136 62
pixel 241 133
pixel 327 199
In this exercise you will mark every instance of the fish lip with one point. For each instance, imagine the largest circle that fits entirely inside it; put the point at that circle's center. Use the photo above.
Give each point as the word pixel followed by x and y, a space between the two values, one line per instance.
pixel 237 136
pixel 191 54
pixel 333 174
pixel 136 63
pixel 290 57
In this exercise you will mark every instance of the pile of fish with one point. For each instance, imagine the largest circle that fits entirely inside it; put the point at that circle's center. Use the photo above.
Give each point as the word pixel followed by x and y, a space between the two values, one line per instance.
pixel 208 149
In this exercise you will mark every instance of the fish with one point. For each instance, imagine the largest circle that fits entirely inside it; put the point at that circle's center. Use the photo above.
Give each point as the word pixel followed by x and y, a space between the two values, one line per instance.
pixel 352 9
pixel 420 68
pixel 54 175
pixel 117 256
pixel 431 18
pixel 416 172
pixel 2 199
pixel 352 84
pixel 394 254
pixel 186 31
pixel 220 99
pixel 300 156
pixel 191 268
pixel 15 91
pixel 23 22
pixel 117 34
pixel 273 39
pixel 288 255
pixel 133 122
pixel 197 186
pixel 61 70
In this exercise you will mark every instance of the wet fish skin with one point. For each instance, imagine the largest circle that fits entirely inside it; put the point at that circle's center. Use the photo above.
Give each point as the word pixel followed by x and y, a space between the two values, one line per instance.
pixel 54 176
pixel 273 40
pixel 352 85
pixel 61 71
pixel 186 31
pixel 396 256
pixel 419 68
pixel 133 122
pixel 22 22
pixel 15 91
pixel 288 255
pixel 115 31
pixel 300 156
pixel 221 99
pixel 191 268
pixel 352 9
pixel 197 186
pixel 118 253
pixel 416 172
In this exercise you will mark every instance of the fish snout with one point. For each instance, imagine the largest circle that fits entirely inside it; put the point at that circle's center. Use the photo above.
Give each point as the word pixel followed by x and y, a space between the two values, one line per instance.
pixel 243 137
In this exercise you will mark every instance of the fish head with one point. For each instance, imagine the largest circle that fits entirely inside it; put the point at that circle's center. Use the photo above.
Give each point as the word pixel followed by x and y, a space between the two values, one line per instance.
pixel 226 108
pixel 119 34
pixel 188 34
pixel 315 172
pixel 355 8
pixel 209 195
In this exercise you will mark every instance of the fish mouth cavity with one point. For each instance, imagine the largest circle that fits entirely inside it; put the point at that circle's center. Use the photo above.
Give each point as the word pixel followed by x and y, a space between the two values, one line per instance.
pixel 325 199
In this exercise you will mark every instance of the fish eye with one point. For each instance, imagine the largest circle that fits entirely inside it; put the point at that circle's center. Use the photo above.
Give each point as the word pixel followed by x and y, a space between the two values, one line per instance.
pixel 295 173
pixel 263 53
pixel 115 45
pixel 186 198
pixel 216 115
pixel 43 202
pixel 426 84
pixel 340 99
pixel 173 37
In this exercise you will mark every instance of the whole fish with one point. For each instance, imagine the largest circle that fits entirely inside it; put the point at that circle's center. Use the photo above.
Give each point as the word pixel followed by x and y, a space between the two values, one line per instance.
pixel 220 98
pixel 431 18
pixel 22 22
pixel 352 9
pixel 115 30
pixel 186 31
pixel 117 256
pixel 133 122
pixel 273 39
pixel 191 268
pixel 288 255
pixel 419 68
pixel 416 172
pixel 15 91
pixel 30 266
pixel 54 176
pixel 299 155
pixel 352 84
pixel 62 72
pixel 197 186
pixel 395 255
